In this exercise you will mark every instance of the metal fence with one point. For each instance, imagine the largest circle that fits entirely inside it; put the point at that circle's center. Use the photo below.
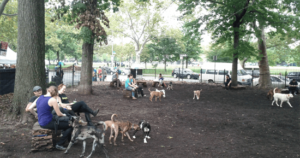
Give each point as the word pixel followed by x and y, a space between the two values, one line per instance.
pixel 69 76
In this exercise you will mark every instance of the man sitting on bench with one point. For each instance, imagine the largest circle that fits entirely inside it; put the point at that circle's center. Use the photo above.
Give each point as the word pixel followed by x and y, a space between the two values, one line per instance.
pixel 293 87
pixel 129 85
pixel 139 88
pixel 227 82
pixel 115 78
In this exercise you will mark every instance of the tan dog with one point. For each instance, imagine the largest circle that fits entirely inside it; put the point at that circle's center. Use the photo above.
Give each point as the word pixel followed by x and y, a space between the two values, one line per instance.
pixel 197 94
pixel 115 126
pixel 270 94
pixel 155 94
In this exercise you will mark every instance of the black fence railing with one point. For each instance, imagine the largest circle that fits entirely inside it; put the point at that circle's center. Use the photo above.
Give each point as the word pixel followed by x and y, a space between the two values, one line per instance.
pixel 69 76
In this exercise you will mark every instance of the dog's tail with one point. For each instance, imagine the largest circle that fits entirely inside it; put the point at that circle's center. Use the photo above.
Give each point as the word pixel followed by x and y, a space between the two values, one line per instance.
pixel 112 117
pixel 274 90
pixel 104 125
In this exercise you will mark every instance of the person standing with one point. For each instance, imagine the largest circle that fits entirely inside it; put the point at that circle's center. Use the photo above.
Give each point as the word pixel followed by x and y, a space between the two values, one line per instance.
pixel 293 87
pixel 227 82
pixel 100 73
pixel 104 74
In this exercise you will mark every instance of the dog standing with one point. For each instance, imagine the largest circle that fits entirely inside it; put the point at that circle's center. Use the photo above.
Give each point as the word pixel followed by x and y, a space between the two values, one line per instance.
pixel 270 94
pixel 282 98
pixel 146 128
pixel 84 132
pixel 197 94
pixel 170 86
pixel 155 94
pixel 164 92
pixel 116 126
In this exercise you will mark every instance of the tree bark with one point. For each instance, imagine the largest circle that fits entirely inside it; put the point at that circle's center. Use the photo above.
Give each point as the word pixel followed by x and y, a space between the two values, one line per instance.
pixel 235 57
pixel 264 76
pixel 165 63
pixel 186 62
pixel 57 56
pixel 31 54
pixel 86 73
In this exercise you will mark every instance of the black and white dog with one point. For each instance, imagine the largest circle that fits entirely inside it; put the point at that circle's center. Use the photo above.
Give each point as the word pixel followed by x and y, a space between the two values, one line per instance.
pixel 146 128
pixel 170 86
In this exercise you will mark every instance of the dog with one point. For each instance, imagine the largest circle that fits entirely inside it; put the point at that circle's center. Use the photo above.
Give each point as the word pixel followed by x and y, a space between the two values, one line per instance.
pixel 270 94
pixel 116 126
pixel 145 127
pixel 197 94
pixel 155 94
pixel 282 98
pixel 161 91
pixel 170 86
pixel 84 132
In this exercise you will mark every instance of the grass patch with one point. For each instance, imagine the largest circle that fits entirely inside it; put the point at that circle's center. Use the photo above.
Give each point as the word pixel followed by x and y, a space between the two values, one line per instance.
pixel 53 66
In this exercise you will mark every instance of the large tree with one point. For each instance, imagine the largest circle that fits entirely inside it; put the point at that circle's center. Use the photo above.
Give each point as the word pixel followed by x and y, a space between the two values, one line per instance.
pixel 31 53
pixel 139 21
pixel 89 17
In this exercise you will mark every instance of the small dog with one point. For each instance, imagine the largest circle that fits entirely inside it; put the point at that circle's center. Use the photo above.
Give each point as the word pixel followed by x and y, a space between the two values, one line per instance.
pixel 161 91
pixel 116 126
pixel 270 94
pixel 145 127
pixel 170 86
pixel 84 132
pixel 197 94
pixel 155 94
pixel 282 98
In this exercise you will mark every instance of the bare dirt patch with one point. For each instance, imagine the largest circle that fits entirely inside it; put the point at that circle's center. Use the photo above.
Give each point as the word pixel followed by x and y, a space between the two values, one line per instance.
pixel 235 123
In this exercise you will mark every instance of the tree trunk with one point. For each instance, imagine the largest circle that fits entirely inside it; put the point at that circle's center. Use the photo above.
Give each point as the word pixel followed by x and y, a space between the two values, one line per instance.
pixel 31 54
pixel 186 63
pixel 145 65
pixel 86 74
pixel 243 63
pixel 235 57
pixel 57 56
pixel 137 57
pixel 264 77
pixel 165 63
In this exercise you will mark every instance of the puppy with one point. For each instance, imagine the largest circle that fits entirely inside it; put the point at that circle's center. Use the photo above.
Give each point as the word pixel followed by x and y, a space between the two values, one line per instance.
pixel 155 94
pixel 84 132
pixel 197 94
pixel 116 126
pixel 161 91
pixel 270 94
pixel 170 86
pixel 145 127
pixel 282 98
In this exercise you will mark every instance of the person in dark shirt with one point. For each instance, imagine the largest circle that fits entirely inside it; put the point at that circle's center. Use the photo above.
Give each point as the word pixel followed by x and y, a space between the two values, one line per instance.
pixel 76 106
pixel 227 82
pixel 293 87
pixel 37 91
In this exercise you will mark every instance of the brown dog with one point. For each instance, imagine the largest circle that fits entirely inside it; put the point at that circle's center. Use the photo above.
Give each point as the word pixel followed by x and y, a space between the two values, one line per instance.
pixel 115 126
pixel 270 94
pixel 197 94
pixel 155 94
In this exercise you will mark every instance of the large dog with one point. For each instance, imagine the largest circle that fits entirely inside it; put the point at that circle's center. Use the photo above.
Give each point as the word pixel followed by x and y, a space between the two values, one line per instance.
pixel 282 98
pixel 164 92
pixel 145 127
pixel 116 126
pixel 270 94
pixel 84 132
pixel 197 94
pixel 155 94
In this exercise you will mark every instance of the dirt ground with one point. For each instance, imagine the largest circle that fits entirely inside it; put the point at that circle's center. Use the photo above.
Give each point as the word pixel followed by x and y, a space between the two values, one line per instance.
pixel 225 124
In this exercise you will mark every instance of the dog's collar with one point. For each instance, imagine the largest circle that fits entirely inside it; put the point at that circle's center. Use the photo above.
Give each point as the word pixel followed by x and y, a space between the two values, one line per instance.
pixel 132 126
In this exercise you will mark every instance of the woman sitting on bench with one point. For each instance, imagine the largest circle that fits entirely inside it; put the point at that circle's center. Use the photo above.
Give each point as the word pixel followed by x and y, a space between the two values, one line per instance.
pixel 45 104
pixel 75 107
pixel 129 85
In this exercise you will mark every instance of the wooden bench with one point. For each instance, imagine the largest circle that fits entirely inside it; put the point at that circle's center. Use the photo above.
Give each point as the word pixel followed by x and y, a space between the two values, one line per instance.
pixel 42 139
pixel 144 83
pixel 238 87
pixel 127 93
pixel 154 83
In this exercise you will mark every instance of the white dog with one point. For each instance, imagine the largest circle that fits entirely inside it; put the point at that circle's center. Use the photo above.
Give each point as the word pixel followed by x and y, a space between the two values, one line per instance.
pixel 162 91
pixel 282 98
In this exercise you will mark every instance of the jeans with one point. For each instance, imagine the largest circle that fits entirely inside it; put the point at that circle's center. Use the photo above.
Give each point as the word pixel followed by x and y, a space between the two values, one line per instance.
pixel 63 125
pixel 103 78
pixel 130 89
pixel 293 89
pixel 140 89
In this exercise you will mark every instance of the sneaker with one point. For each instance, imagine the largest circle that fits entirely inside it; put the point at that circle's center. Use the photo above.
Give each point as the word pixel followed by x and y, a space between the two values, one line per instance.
pixel 133 98
pixel 58 147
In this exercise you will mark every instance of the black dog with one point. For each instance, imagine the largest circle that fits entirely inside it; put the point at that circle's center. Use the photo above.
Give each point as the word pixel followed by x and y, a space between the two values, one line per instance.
pixel 146 128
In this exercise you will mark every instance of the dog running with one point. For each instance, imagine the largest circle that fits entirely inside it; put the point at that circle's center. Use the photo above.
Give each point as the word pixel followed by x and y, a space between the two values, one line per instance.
pixel 84 132
pixel 197 94
pixel 282 98
pixel 155 94
pixel 145 127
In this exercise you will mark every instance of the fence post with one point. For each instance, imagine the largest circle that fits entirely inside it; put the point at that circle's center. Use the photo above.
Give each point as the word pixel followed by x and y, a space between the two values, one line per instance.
pixel 155 73
pixel 178 74
pixel 285 79
pixel 201 74
pixel 224 77
pixel 73 70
